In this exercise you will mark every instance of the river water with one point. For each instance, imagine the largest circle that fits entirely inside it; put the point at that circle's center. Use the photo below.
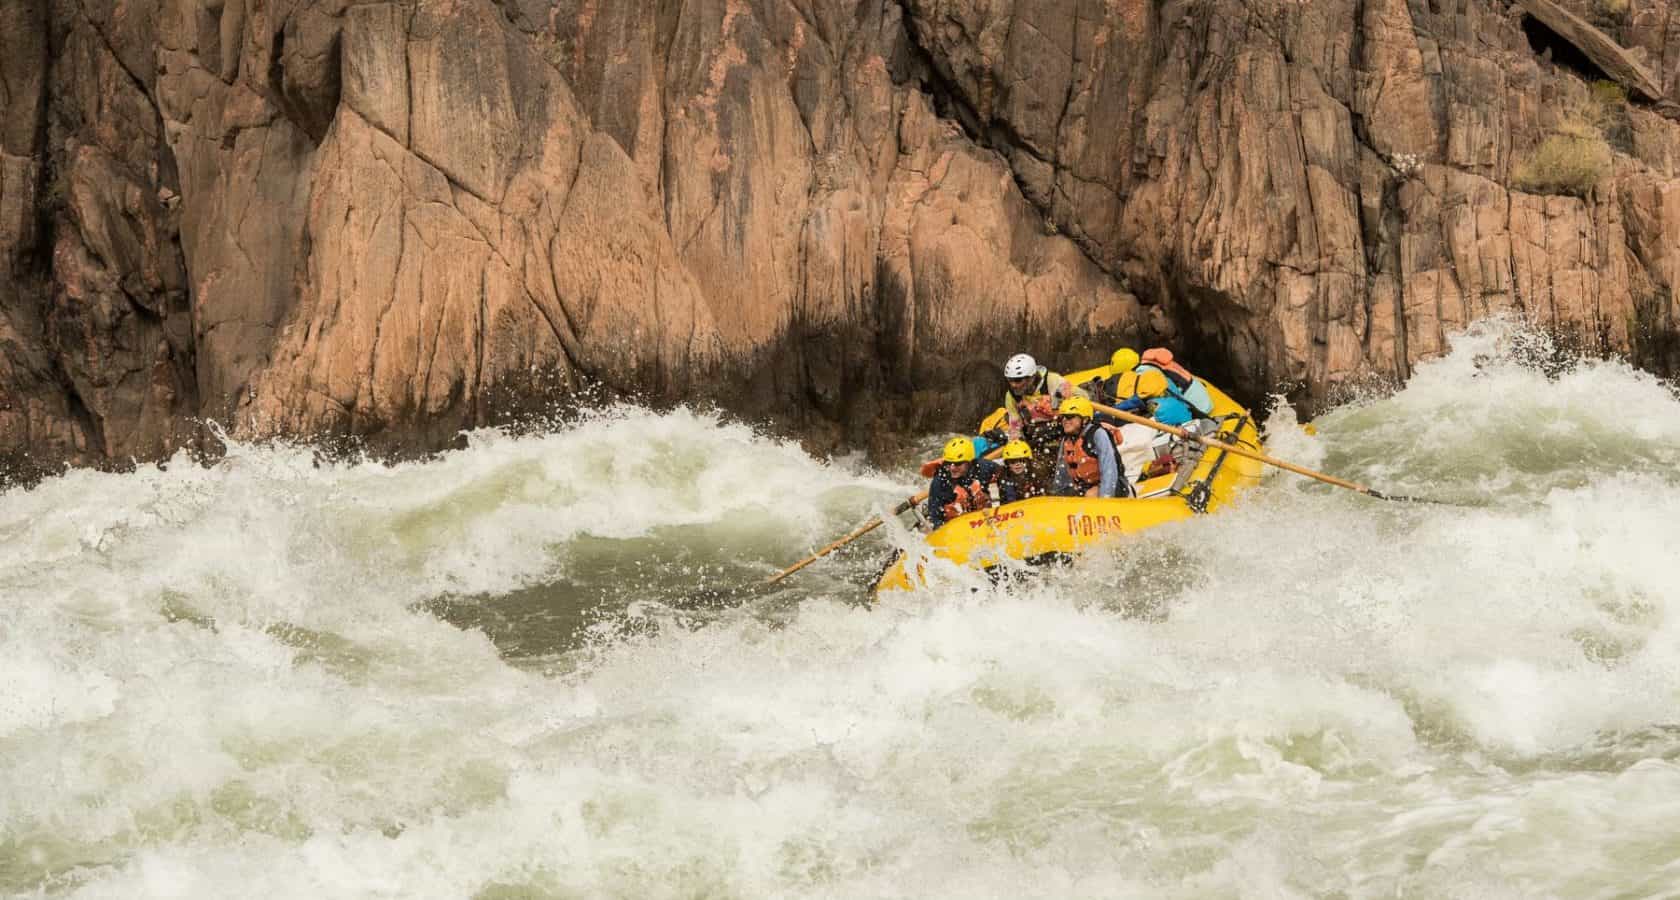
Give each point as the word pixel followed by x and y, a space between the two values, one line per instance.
pixel 517 671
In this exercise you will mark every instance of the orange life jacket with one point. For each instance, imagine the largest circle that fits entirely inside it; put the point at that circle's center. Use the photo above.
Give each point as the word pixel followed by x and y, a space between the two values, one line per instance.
pixel 1162 358
pixel 1038 404
pixel 1024 487
pixel 1079 454
pixel 971 495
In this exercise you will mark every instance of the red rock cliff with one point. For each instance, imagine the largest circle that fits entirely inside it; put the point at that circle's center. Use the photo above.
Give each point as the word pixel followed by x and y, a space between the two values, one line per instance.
pixel 395 220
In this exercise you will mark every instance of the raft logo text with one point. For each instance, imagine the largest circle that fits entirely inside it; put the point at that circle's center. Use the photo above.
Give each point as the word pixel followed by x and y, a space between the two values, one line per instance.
pixel 1088 525
pixel 998 519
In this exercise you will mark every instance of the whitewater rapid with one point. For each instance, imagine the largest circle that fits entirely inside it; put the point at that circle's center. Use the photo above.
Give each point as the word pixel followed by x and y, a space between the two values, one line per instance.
pixel 516 670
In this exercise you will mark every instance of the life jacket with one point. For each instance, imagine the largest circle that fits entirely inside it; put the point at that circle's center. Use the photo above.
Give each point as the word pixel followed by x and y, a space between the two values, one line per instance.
pixel 1039 403
pixel 1178 381
pixel 1162 358
pixel 1079 455
pixel 1025 487
pixel 1192 393
pixel 971 495
pixel 1188 387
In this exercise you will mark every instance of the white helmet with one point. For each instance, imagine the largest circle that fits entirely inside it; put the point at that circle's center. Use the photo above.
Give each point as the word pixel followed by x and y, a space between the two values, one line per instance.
pixel 1020 366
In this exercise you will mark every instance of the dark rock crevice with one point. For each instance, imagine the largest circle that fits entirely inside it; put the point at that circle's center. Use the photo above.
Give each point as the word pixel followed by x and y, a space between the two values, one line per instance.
pixel 1580 47
pixel 1558 50
pixel 999 135
pixel 140 84
pixel 29 257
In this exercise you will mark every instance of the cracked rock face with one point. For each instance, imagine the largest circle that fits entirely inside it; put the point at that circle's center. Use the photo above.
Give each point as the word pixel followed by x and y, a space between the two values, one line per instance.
pixel 396 220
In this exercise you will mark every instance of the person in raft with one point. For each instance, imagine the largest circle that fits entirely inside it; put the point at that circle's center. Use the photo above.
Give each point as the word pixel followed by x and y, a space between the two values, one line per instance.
pixel 961 484
pixel 1090 461
pixel 1017 481
pixel 1149 392
pixel 1107 389
pixel 1187 387
pixel 1032 394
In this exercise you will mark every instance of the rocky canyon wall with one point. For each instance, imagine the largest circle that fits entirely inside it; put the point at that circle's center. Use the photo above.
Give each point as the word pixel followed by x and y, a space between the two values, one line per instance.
pixel 395 220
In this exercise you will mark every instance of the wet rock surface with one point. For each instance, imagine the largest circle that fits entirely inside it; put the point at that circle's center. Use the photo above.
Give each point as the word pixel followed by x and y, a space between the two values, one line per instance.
pixel 393 221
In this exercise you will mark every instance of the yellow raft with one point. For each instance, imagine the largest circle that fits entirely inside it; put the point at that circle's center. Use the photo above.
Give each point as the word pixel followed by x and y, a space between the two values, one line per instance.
pixel 1059 527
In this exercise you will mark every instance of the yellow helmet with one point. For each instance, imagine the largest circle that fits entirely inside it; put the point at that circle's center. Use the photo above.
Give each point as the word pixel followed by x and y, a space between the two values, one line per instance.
pixel 1075 406
pixel 1124 360
pixel 1016 450
pixel 1152 384
pixel 958 449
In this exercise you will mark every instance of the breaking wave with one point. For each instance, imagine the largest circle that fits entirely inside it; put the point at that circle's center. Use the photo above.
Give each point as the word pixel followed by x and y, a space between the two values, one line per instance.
pixel 520 669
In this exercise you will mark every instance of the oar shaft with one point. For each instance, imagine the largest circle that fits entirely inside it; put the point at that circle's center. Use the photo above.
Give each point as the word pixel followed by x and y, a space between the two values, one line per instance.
pixel 860 531
pixel 1233 449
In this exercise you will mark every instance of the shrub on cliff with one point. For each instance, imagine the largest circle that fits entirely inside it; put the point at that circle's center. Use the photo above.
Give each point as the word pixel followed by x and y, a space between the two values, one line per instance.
pixel 1569 161
pixel 1610 112
pixel 1607 95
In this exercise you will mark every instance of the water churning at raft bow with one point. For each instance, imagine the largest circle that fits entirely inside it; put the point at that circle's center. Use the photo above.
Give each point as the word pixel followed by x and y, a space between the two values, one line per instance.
pixel 504 672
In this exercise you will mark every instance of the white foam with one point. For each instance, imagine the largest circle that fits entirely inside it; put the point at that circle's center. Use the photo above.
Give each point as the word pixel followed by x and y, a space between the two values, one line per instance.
pixel 225 682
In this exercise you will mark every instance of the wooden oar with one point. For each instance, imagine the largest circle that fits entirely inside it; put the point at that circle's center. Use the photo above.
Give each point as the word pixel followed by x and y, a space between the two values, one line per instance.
pixel 1256 455
pixel 860 531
